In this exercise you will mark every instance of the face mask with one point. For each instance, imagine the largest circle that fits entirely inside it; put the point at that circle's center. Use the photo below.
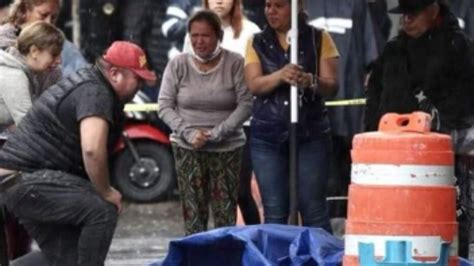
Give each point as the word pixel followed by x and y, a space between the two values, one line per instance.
pixel 211 57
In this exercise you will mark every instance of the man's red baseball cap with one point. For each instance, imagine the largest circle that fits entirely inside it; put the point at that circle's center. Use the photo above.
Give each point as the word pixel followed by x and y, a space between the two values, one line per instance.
pixel 130 56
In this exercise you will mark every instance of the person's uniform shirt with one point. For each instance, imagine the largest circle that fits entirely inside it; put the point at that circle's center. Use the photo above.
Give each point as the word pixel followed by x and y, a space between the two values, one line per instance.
pixel 350 26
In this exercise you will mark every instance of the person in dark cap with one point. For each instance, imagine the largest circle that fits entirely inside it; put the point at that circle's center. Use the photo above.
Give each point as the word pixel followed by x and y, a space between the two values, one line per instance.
pixel 54 168
pixel 428 67
pixel 411 6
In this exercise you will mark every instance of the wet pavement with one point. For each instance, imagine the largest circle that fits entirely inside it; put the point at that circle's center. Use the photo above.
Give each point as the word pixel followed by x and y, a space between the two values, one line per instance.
pixel 144 232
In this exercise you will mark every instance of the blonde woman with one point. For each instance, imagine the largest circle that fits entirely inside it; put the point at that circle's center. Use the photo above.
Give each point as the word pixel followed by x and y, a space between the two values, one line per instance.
pixel 37 51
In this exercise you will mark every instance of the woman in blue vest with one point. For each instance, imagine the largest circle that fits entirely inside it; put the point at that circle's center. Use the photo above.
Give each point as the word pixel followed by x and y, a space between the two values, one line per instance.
pixel 269 76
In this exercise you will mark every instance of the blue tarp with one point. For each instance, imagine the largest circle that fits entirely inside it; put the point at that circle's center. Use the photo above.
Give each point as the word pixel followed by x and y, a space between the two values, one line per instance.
pixel 275 245
pixel 257 245
pixel 465 262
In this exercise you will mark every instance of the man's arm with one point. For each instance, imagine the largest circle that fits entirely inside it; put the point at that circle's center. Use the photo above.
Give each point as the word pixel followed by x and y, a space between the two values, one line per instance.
pixel 94 133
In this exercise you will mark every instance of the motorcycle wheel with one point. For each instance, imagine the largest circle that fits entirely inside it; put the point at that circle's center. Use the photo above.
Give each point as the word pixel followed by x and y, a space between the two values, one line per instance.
pixel 152 180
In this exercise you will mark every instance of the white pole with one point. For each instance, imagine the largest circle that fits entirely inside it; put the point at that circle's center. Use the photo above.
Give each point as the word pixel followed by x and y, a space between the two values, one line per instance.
pixel 294 58
pixel 293 142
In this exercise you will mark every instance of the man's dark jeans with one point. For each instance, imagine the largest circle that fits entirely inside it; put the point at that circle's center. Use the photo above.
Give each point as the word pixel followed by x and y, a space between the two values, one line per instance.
pixel 70 221
pixel 271 165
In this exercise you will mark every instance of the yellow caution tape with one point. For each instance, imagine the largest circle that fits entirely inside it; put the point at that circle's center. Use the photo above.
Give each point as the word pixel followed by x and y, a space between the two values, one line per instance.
pixel 360 101
pixel 141 107
pixel 152 107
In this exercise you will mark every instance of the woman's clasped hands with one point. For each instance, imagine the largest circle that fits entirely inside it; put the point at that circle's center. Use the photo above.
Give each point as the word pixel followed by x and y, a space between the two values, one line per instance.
pixel 200 138
pixel 295 76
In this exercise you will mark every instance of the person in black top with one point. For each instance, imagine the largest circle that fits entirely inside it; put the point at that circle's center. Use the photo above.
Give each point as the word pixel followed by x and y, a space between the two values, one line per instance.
pixel 54 168
pixel 428 67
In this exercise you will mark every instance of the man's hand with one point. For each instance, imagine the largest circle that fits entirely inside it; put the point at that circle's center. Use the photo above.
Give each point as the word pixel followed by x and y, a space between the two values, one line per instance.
pixel 199 139
pixel 113 196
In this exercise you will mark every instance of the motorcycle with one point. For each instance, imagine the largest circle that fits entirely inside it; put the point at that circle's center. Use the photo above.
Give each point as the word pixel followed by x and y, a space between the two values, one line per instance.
pixel 142 164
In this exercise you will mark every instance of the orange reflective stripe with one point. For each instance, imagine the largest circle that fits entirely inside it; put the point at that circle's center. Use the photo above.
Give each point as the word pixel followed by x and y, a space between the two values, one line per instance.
pixel 402 204
pixel 402 157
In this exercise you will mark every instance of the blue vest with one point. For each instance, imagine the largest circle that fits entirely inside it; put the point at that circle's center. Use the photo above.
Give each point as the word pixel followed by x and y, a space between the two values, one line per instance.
pixel 271 112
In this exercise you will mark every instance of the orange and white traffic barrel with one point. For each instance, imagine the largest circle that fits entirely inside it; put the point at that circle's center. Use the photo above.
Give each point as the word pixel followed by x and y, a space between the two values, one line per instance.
pixel 402 189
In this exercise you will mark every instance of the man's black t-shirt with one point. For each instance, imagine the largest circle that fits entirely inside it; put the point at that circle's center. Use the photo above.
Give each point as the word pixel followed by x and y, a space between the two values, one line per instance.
pixel 86 101
pixel 82 102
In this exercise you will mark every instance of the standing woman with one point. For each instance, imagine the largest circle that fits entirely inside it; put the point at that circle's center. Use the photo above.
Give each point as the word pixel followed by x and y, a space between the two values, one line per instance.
pixel 269 75
pixel 237 29
pixel 204 100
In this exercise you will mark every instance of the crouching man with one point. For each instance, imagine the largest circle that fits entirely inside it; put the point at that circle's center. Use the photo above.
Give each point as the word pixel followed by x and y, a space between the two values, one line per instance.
pixel 58 157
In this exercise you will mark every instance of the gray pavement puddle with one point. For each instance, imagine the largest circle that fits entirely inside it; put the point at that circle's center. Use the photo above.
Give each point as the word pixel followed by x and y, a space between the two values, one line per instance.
pixel 143 233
